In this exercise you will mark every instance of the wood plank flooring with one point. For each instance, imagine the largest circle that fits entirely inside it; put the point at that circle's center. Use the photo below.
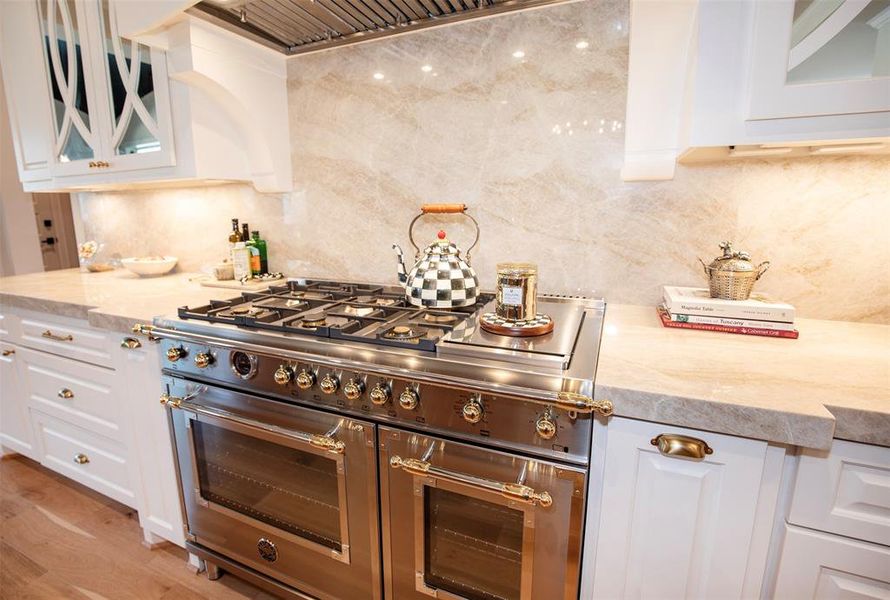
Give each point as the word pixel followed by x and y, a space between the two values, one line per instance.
pixel 59 539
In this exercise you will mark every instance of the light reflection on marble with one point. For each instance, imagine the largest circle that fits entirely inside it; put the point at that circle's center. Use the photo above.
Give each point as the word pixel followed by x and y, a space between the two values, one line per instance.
pixel 533 144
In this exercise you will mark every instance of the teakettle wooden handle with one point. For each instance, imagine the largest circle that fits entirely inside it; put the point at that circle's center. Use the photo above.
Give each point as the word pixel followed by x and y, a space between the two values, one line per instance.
pixel 443 208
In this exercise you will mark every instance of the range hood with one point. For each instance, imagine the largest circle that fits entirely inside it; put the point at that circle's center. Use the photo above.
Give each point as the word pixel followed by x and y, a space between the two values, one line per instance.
pixel 299 26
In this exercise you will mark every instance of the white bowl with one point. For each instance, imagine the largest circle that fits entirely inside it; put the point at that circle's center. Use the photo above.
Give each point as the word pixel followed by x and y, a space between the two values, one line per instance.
pixel 149 266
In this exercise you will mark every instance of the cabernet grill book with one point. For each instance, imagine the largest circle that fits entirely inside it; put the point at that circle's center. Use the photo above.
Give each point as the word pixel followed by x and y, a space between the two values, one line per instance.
pixel 693 308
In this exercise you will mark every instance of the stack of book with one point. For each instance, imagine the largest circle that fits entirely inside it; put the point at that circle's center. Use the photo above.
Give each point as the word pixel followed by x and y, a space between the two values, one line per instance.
pixel 693 308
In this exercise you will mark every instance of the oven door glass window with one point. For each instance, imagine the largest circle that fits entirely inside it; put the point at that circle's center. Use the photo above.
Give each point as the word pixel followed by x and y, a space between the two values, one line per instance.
pixel 293 490
pixel 472 548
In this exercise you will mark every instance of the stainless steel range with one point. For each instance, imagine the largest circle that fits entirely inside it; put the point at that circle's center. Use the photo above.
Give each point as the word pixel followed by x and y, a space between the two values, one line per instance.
pixel 334 442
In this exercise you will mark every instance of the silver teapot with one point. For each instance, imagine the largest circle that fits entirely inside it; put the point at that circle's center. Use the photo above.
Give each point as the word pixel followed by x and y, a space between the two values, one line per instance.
pixel 440 278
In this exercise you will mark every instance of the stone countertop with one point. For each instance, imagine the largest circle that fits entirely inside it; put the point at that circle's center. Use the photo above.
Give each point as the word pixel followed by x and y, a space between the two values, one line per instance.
pixel 112 300
pixel 834 381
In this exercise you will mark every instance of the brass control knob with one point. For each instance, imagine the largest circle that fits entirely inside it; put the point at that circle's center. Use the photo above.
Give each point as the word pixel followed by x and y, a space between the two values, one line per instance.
pixel 306 379
pixel 408 399
pixel 203 360
pixel 174 353
pixel 283 375
pixel 330 384
pixel 473 410
pixel 545 427
pixel 354 389
pixel 379 394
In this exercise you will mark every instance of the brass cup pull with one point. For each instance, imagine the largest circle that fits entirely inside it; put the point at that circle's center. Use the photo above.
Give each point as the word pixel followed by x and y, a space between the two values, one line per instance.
pixel 54 336
pixel 81 459
pixel 8 352
pixel 130 343
pixel 671 444
pixel 65 394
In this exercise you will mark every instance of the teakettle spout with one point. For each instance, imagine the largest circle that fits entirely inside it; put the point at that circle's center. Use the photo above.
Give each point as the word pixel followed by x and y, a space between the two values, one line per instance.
pixel 402 270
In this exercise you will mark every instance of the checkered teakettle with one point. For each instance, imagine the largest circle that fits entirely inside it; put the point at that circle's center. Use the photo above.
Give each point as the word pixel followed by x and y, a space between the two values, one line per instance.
pixel 440 278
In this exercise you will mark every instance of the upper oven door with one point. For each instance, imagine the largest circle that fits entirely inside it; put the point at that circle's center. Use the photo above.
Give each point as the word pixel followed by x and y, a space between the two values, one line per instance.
pixel 463 522
pixel 285 490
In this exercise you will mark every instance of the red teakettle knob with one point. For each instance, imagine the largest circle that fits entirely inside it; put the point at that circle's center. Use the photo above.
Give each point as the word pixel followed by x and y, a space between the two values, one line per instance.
pixel 441 234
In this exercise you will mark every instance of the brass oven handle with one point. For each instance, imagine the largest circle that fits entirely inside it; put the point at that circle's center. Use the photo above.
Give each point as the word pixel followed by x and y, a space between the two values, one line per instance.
pixel 130 343
pixel 145 330
pixel 672 444
pixel 584 404
pixel 513 491
pixel 54 336
pixel 323 442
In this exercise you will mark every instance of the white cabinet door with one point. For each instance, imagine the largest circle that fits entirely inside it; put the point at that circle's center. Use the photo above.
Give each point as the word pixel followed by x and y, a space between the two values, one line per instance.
pixel 672 527
pixel 15 428
pixel 816 565
pixel 820 58
pixel 139 375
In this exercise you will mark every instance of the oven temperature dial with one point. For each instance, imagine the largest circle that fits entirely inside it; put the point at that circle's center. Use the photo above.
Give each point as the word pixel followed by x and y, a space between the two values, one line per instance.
pixel 329 384
pixel 379 394
pixel 408 399
pixel 283 375
pixel 545 426
pixel 174 353
pixel 354 389
pixel 306 379
pixel 473 410
pixel 203 360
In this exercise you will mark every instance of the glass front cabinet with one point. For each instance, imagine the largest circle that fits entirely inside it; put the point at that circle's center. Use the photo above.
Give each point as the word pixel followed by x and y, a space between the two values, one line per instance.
pixel 107 97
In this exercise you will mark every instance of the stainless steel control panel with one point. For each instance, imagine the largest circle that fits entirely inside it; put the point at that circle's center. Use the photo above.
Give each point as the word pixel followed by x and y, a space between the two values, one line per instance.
pixel 530 426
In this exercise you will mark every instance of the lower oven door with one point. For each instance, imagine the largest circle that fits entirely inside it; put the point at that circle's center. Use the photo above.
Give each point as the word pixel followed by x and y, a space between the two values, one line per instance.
pixel 288 491
pixel 461 521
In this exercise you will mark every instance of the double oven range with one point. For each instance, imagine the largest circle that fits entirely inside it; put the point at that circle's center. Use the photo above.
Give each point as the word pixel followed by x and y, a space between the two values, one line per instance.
pixel 334 442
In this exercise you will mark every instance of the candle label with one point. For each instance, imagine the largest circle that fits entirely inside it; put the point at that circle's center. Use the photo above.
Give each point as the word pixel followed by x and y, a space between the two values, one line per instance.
pixel 511 295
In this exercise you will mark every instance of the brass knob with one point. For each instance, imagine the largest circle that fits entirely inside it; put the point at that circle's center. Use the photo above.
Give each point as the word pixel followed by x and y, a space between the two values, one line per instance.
pixel 354 389
pixel 545 427
pixel 379 394
pixel 306 379
pixel 65 394
pixel 81 459
pixel 203 360
pixel 473 411
pixel 408 399
pixel 330 384
pixel 283 375
pixel 175 353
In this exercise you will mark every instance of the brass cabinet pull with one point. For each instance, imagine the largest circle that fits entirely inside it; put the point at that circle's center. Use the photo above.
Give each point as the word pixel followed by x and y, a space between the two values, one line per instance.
pixel 54 336
pixel 98 164
pixel 513 491
pixel 322 442
pixel 65 393
pixel 130 343
pixel 672 444
pixel 81 459
pixel 8 352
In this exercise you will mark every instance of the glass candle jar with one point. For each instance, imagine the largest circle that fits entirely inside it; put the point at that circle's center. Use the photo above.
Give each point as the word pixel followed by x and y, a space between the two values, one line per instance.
pixel 517 289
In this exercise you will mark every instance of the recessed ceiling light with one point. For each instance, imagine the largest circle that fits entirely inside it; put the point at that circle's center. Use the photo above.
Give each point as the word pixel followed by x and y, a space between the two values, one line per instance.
pixel 518 54
pixel 426 68
pixel 378 75
pixel 582 45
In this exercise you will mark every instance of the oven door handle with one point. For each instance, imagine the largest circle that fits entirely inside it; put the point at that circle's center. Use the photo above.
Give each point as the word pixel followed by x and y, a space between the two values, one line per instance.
pixel 322 442
pixel 513 491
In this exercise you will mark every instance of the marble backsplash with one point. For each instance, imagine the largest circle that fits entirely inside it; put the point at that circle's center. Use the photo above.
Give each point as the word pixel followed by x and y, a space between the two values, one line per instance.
pixel 520 117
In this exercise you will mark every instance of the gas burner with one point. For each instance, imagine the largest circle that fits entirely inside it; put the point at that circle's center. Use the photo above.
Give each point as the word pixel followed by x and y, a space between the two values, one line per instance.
pixel 249 310
pixel 314 319
pixel 403 333
pixel 378 300
pixel 385 301
pixel 441 319
pixel 359 311
pixel 296 304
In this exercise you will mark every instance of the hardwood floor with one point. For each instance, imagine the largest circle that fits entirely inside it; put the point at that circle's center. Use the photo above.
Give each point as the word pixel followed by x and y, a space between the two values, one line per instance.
pixel 59 539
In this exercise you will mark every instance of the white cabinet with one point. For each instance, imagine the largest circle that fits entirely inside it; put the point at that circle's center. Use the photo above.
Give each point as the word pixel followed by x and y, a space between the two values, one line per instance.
pixel 15 427
pixel 816 565
pixel 90 108
pixel 675 527
pixel 140 387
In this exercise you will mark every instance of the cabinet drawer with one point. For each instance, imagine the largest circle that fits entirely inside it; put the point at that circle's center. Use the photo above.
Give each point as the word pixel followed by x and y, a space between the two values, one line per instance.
pixel 8 327
pixel 86 457
pixel 72 391
pixel 67 337
pixel 846 492
pixel 820 565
